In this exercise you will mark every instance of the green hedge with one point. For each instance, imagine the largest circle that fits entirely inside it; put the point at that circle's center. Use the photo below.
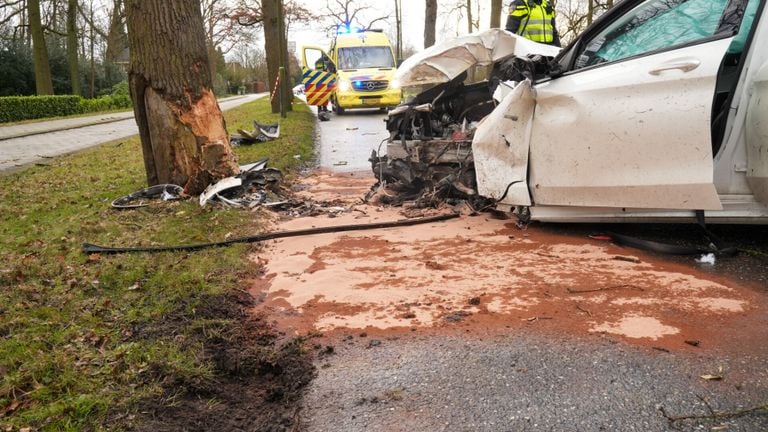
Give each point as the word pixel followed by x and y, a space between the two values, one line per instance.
pixel 17 108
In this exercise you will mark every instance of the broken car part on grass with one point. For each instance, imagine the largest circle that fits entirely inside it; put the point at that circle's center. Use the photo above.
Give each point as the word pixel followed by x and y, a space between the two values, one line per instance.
pixel 261 133
pixel 255 185
pixel 164 192
pixel 628 126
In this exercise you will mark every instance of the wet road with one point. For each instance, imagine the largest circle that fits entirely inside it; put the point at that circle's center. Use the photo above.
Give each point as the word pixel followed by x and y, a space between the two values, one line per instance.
pixel 346 141
pixel 18 152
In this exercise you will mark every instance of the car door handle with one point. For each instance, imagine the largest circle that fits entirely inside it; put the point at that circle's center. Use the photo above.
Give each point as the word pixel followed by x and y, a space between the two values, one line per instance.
pixel 683 65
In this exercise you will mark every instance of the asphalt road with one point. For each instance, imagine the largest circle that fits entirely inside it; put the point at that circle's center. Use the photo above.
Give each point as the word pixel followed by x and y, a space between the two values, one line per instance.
pixel 73 136
pixel 346 141
pixel 460 376
pixel 526 382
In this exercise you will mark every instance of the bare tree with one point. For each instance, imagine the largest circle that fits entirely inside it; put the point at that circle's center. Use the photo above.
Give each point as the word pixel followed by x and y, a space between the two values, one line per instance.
pixel 573 16
pixel 183 135
pixel 222 32
pixel 464 9
pixel 430 21
pixel 347 13
pixel 271 15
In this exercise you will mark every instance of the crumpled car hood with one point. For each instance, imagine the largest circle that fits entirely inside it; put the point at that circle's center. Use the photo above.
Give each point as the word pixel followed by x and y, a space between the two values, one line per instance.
pixel 444 62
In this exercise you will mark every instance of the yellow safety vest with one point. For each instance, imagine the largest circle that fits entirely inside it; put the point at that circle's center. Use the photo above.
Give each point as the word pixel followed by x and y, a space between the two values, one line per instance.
pixel 536 21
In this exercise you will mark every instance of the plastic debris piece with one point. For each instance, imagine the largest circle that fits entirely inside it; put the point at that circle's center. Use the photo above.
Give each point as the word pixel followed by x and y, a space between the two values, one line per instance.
pixel 165 192
pixel 707 259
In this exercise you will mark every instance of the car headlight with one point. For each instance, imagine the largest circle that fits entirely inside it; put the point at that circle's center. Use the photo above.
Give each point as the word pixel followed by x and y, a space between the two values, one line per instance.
pixel 394 84
pixel 345 85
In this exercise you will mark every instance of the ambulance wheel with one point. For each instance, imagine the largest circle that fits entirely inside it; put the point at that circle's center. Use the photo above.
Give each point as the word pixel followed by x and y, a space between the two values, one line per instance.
pixel 338 110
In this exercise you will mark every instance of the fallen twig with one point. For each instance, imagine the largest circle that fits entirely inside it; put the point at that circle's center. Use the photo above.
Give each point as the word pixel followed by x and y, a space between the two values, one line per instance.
pixel 537 318
pixel 627 259
pixel 586 311
pixel 714 415
pixel 608 288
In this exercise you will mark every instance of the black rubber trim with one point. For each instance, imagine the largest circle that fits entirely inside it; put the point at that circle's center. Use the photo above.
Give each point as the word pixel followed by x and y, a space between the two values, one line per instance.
pixel 94 249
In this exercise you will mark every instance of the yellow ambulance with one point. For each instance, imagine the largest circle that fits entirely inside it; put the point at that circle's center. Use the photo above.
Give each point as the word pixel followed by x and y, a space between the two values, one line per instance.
pixel 358 72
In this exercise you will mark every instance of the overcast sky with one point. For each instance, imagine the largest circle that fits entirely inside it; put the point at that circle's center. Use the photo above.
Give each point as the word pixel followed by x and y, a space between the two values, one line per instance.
pixel 413 21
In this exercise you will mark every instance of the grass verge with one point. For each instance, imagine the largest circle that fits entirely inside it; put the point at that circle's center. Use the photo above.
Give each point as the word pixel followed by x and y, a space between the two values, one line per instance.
pixel 136 342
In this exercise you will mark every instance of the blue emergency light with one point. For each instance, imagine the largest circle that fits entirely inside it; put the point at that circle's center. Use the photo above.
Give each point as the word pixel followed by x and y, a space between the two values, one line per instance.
pixel 346 29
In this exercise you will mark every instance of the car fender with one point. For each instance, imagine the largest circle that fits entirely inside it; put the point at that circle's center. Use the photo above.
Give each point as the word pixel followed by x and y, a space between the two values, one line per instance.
pixel 501 148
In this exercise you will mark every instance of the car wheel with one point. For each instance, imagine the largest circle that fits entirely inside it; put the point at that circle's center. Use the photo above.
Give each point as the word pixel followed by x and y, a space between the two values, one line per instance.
pixel 337 109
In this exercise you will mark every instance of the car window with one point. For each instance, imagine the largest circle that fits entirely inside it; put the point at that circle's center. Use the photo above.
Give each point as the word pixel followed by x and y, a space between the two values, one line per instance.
pixel 651 26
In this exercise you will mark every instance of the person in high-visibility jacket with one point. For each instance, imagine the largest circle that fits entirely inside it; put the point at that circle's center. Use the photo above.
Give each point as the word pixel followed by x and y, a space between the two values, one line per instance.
pixel 535 20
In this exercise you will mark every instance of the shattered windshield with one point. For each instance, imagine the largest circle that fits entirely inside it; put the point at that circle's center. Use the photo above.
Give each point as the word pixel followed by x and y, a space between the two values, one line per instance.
pixel 366 57
pixel 654 25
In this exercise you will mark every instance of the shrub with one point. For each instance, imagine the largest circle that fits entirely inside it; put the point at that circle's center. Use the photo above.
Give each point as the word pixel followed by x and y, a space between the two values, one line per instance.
pixel 120 89
pixel 105 103
pixel 16 108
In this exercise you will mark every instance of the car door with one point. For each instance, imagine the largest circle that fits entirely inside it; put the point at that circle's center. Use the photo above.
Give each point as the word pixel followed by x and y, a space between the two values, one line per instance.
pixel 628 125
pixel 318 76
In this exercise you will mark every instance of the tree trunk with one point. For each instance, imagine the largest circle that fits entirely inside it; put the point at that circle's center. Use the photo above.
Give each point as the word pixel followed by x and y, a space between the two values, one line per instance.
pixel 43 80
pixel 93 57
pixel 430 21
pixel 274 45
pixel 469 16
pixel 496 13
pixel 116 38
pixel 399 29
pixel 72 54
pixel 183 134
pixel 287 87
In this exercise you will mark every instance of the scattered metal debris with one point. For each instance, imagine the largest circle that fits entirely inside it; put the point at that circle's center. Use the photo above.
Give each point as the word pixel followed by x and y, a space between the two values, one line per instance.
pixel 249 189
pixel 164 192
pixel 261 133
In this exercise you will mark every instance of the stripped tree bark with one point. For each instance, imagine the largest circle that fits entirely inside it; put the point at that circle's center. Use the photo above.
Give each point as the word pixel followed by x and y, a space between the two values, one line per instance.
pixel 430 21
pixel 183 134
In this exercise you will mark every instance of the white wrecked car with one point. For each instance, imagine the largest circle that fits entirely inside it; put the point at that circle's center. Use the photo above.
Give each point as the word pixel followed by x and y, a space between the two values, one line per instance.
pixel 658 110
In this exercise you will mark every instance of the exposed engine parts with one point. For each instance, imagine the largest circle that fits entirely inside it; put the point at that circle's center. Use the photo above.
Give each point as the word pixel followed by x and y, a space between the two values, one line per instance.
pixel 429 150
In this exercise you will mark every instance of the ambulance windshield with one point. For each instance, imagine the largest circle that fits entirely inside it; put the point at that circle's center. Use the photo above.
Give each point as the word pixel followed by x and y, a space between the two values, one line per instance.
pixel 366 57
